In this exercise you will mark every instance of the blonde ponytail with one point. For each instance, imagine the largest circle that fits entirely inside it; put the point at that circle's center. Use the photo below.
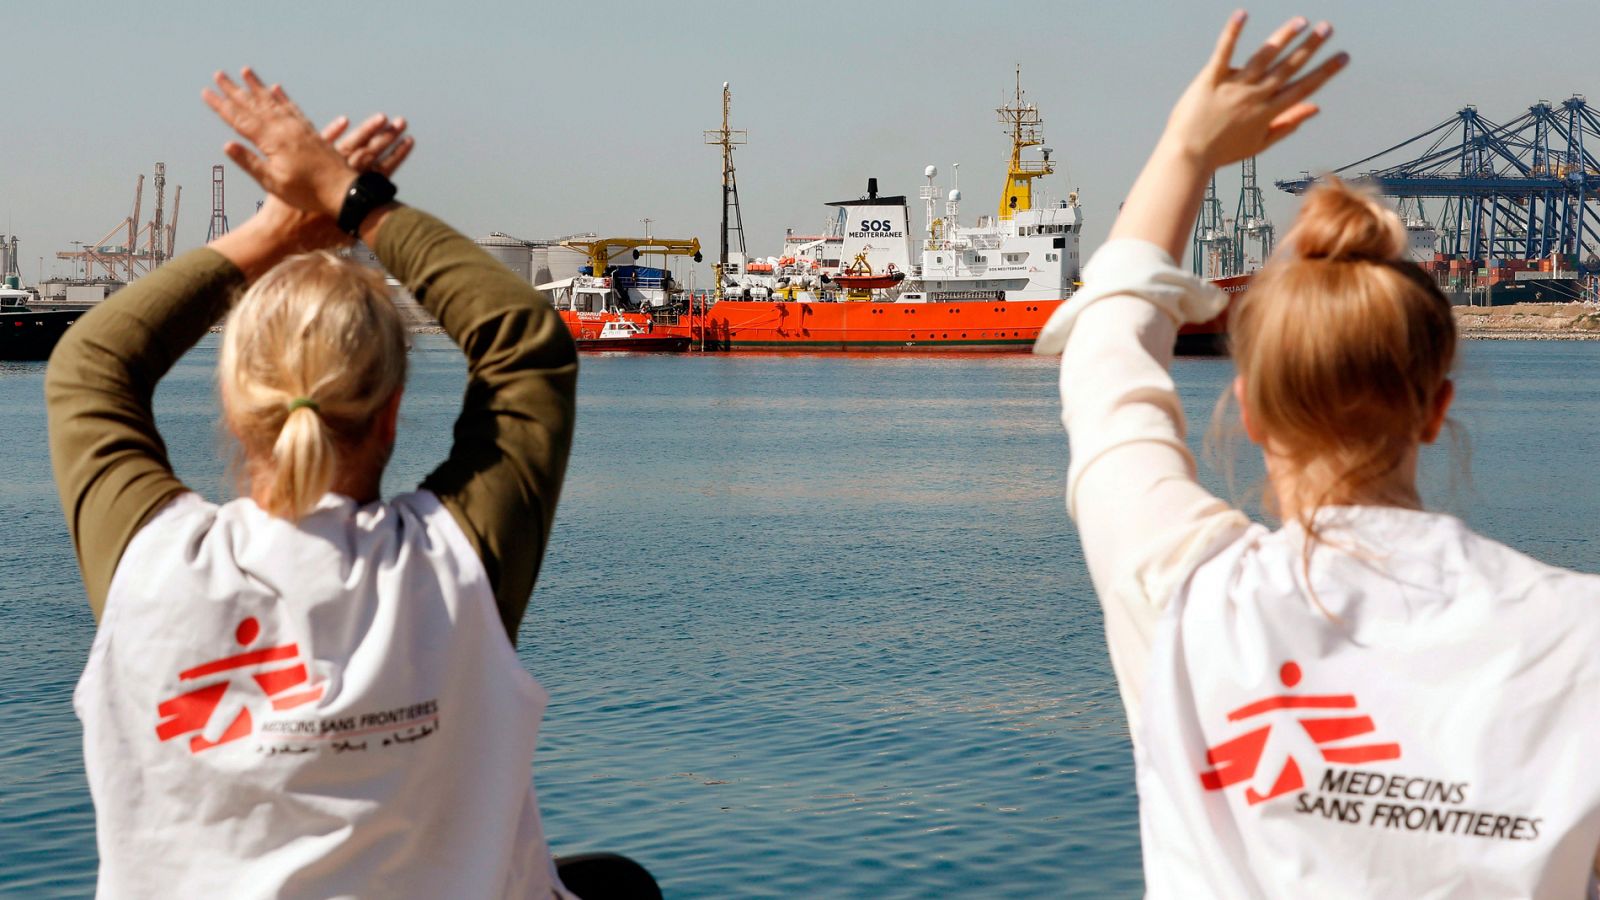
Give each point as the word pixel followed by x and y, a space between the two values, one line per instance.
pixel 311 354
pixel 304 460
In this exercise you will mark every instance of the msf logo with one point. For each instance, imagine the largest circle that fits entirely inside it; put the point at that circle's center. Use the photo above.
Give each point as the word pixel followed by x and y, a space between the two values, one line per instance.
pixel 279 674
pixel 1238 760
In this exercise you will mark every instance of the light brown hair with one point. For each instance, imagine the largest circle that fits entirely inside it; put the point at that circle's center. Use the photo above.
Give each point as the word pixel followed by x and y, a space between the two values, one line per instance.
pixel 311 354
pixel 1343 347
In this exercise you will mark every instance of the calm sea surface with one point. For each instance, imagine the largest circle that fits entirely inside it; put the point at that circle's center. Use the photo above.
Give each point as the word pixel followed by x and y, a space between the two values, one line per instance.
pixel 810 625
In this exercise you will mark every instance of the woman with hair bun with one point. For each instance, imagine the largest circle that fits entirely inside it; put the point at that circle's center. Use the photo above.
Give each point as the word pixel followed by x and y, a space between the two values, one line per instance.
pixel 312 691
pixel 1372 700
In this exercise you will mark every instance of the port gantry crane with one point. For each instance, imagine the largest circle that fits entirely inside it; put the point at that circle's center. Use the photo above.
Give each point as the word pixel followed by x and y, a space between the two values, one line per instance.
pixel 1527 189
pixel 145 247
pixel 1213 238
pixel 1222 246
pixel 1251 227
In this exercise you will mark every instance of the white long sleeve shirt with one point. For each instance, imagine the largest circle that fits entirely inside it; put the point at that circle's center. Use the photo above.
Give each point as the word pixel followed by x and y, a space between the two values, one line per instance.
pixel 1414 715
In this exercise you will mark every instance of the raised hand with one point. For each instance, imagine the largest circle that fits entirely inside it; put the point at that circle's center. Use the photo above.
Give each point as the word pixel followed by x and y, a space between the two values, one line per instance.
pixel 280 229
pixel 1225 115
pixel 1228 114
pixel 379 144
pixel 291 160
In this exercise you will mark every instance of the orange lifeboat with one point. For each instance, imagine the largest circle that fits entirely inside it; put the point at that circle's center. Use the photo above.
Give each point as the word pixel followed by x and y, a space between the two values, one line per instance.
pixel 858 276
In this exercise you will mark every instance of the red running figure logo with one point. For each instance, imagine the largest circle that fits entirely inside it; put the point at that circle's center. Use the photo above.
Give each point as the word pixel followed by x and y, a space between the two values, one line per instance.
pixel 1237 760
pixel 192 712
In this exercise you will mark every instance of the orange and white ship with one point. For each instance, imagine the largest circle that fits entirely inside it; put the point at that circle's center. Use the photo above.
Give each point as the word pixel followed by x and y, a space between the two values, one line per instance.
pixel 986 287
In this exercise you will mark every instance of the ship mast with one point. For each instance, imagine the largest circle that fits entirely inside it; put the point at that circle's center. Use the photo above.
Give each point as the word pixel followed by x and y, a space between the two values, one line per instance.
pixel 1026 130
pixel 727 138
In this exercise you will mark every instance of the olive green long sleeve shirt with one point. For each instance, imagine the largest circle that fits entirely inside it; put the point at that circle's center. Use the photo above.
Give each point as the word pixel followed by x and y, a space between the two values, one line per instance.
pixel 512 438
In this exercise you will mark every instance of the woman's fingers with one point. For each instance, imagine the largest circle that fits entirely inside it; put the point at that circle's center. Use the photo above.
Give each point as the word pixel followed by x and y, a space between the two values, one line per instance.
pixel 1287 121
pixel 1222 57
pixel 379 144
pixel 388 164
pixel 244 159
pixel 226 87
pixel 218 104
pixel 363 133
pixel 332 130
pixel 1296 91
pixel 1257 66
pixel 251 80
pixel 1289 65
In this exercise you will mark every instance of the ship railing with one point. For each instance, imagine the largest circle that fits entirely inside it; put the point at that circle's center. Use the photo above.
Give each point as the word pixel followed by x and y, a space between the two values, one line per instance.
pixel 986 241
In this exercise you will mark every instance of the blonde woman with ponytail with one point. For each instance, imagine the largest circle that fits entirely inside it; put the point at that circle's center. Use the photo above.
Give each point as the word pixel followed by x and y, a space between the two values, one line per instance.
pixel 1372 700
pixel 312 691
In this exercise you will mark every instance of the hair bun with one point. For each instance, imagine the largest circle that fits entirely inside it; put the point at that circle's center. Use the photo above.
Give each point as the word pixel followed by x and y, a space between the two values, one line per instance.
pixel 1339 223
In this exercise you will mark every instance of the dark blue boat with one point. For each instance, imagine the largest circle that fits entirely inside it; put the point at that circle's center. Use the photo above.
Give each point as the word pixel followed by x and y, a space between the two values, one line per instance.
pixel 29 334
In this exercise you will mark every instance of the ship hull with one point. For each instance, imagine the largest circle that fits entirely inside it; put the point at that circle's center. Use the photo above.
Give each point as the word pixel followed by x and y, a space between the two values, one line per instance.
pixel 32 335
pixel 654 343
pixel 982 326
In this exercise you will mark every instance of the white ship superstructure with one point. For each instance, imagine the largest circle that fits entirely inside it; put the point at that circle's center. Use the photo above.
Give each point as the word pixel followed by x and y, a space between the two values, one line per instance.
pixel 1030 255
pixel 1022 253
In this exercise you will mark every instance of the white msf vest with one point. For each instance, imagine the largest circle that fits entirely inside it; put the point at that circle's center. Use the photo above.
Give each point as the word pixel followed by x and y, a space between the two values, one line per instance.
pixel 1433 731
pixel 328 709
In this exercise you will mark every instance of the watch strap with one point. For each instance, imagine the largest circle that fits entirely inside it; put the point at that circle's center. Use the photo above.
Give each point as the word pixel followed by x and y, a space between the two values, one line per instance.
pixel 369 191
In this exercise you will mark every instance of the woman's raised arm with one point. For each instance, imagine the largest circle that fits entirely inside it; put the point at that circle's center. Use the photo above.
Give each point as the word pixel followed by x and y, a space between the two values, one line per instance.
pixel 1131 487
pixel 110 463
pixel 503 476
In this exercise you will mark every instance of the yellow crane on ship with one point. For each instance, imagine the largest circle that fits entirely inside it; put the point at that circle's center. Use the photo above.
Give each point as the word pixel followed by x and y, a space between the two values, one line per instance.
pixel 601 250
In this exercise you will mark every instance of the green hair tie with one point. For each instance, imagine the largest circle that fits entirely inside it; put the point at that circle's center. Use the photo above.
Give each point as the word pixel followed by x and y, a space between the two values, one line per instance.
pixel 298 402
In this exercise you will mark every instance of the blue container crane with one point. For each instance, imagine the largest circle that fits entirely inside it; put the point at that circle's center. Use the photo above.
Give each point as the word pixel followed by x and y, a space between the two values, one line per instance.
pixel 1527 189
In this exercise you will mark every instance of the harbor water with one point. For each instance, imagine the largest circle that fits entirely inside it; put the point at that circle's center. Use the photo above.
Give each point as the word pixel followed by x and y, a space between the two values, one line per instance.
pixel 811 625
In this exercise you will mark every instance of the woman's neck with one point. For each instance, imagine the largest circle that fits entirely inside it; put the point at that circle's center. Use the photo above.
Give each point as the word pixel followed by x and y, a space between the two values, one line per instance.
pixel 1301 490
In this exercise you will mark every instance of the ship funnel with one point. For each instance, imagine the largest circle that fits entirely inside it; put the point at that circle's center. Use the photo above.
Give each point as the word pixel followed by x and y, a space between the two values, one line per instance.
pixel 872 188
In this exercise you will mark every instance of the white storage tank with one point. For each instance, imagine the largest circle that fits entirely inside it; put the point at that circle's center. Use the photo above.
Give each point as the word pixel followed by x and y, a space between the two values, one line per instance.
pixel 516 255
pixel 540 265
pixel 565 261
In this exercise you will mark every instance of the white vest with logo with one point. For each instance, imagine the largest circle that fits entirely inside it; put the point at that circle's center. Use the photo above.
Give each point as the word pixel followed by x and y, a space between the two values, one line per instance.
pixel 328 709
pixel 1433 730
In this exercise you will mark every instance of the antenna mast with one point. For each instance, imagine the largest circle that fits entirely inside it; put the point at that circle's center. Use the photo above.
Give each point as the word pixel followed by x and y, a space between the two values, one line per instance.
pixel 727 138
pixel 1025 129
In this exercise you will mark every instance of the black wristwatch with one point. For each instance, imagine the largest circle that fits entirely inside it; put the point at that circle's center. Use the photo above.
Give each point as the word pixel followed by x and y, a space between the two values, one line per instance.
pixel 369 191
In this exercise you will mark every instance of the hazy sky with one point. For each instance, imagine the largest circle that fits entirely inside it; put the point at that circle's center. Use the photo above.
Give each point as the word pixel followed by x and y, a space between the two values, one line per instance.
pixel 546 118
